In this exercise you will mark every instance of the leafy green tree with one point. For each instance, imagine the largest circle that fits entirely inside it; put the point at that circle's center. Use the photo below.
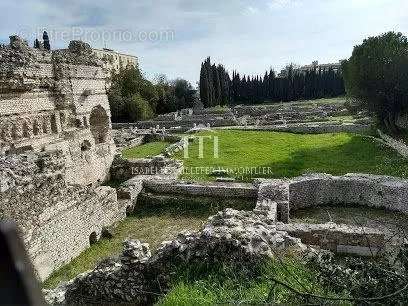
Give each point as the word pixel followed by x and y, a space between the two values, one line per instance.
pixel 138 108
pixel 126 88
pixel 174 95
pixel 377 76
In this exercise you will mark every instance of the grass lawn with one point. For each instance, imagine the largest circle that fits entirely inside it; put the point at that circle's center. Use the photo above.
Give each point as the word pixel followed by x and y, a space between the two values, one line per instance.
pixel 152 223
pixel 148 227
pixel 278 155
pixel 387 221
pixel 311 103
pixel 148 149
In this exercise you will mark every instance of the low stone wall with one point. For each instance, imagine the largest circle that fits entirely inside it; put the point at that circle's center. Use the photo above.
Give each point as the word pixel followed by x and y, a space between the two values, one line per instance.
pixel 220 190
pixel 237 238
pixel 358 189
pixel 293 108
pixel 125 169
pixel 133 137
pixel 307 128
pixel 398 146
pixel 346 239
pixel 185 125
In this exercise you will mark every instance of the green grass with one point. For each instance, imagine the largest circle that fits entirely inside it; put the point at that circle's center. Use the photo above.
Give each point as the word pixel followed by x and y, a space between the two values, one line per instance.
pixel 151 228
pixel 226 284
pixel 278 155
pixel 309 103
pixel 145 150
pixel 152 223
pixel 342 118
pixel 353 215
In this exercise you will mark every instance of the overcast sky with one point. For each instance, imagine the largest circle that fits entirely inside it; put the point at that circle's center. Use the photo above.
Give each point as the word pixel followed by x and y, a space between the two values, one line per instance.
pixel 174 36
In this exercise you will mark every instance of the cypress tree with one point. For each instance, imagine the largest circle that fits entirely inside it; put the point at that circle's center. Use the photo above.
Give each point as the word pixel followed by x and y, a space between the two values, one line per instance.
pixel 217 88
pixel 217 85
pixel 46 40
pixel 36 44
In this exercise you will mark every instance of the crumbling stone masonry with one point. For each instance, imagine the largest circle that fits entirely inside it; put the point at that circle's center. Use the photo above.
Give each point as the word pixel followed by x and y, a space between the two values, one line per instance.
pixel 56 148
pixel 236 237
pixel 56 101
pixel 57 220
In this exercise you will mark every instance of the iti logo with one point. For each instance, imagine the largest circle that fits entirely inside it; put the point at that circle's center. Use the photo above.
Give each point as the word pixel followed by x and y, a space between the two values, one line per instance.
pixel 201 144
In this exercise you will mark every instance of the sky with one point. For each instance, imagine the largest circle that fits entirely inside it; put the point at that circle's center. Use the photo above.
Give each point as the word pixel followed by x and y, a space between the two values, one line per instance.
pixel 173 37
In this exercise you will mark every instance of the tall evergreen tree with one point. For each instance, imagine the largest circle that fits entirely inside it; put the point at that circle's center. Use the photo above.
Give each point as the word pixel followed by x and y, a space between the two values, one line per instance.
pixel 36 44
pixel 217 88
pixel 46 40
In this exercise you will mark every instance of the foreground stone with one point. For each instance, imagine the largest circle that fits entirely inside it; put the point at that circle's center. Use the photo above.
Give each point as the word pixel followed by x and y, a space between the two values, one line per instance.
pixel 234 237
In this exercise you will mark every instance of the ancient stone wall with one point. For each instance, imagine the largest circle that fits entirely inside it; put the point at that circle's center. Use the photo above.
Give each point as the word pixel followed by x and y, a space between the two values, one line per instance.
pixel 125 169
pixel 221 190
pixel 395 144
pixel 56 219
pixel 56 101
pixel 359 189
pixel 310 128
pixel 56 147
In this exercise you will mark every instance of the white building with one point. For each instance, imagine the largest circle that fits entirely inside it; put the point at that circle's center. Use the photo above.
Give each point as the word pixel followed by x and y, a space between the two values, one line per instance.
pixel 115 61
pixel 314 66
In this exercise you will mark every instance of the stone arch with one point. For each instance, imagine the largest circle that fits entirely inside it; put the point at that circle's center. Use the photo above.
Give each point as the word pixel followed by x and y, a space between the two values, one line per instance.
pixel 99 123
pixel 3 134
pixel 62 119
pixel 45 125
pixel 129 211
pixel 6 133
pixel 14 132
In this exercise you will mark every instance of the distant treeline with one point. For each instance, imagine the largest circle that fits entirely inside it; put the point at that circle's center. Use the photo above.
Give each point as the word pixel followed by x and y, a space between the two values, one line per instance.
pixel 217 88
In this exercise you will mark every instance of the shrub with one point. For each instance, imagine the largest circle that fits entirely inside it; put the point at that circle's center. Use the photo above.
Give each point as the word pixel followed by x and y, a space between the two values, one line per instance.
pixel 138 108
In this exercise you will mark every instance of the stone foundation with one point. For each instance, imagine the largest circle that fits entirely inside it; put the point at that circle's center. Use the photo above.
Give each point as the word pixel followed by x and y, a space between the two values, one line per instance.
pixel 359 189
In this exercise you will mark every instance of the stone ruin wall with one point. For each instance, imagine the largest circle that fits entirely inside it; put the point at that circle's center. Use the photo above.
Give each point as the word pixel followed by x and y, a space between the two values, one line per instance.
pixel 280 117
pixel 56 219
pixel 56 148
pixel 235 237
pixel 276 199
pixel 56 101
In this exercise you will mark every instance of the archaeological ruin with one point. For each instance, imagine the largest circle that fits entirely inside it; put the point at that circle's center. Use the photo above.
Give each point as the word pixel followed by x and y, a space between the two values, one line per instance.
pixel 58 148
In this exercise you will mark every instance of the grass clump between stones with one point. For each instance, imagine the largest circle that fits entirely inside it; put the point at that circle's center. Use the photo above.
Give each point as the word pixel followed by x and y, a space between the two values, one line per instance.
pixel 227 284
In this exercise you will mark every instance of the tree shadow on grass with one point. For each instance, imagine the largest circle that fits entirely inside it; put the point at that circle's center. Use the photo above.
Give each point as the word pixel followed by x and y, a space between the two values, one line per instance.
pixel 359 155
